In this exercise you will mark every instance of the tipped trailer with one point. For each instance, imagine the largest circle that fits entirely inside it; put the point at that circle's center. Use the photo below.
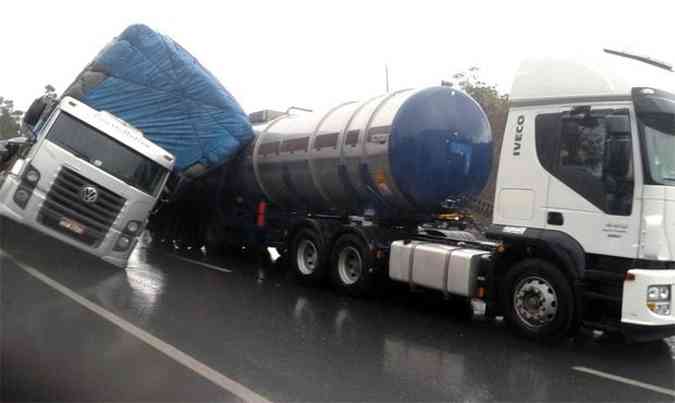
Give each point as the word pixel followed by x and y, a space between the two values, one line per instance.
pixel 143 114
pixel 582 229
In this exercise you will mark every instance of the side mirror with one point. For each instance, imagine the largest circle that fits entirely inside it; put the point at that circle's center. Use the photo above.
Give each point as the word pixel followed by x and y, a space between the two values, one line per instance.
pixel 18 141
pixel 11 147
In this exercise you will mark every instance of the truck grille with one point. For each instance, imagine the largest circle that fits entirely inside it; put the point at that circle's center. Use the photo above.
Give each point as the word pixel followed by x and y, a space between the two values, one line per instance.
pixel 64 210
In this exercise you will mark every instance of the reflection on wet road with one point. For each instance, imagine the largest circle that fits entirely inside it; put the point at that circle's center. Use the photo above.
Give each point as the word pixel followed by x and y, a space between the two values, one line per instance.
pixel 281 340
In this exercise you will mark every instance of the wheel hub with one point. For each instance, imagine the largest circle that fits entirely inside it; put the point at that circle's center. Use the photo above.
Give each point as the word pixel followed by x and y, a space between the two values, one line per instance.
pixel 307 257
pixel 535 301
pixel 350 265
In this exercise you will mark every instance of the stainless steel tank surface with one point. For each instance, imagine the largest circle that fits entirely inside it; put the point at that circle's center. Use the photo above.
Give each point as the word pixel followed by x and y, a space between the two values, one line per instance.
pixel 407 150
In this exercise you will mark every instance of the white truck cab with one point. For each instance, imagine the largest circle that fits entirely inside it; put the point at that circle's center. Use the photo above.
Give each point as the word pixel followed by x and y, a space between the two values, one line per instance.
pixel 90 180
pixel 587 174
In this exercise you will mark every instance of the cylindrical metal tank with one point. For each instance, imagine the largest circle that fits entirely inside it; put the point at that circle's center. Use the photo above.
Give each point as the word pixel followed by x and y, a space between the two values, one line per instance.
pixel 405 151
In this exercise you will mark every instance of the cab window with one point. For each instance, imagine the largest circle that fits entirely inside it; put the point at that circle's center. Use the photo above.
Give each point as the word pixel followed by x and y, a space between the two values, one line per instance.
pixel 591 152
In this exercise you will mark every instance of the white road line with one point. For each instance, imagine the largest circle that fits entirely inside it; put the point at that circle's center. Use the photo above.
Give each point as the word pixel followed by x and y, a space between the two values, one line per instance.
pixel 209 266
pixel 627 381
pixel 172 352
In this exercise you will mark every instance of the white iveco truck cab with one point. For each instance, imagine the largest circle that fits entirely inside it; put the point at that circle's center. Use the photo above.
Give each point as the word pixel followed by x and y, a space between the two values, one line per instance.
pixel 585 196
pixel 89 180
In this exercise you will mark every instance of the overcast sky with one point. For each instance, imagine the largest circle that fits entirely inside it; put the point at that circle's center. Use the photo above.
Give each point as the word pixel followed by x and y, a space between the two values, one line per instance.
pixel 274 54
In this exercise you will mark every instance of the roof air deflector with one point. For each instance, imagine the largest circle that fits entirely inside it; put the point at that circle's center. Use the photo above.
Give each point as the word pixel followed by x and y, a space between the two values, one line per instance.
pixel 641 58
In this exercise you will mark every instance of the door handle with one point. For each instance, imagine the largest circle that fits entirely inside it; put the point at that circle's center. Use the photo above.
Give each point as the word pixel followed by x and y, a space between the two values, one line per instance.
pixel 555 218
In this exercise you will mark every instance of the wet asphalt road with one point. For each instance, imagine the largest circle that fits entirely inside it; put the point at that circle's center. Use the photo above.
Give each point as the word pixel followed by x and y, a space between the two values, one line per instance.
pixel 281 340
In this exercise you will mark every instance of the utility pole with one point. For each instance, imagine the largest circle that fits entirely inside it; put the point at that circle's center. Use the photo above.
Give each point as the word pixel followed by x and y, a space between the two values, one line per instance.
pixel 386 76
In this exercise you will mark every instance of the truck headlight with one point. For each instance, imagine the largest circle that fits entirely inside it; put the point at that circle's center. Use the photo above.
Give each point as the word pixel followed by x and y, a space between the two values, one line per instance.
pixel 658 299
pixel 133 227
pixel 32 175
pixel 658 293
pixel 661 309
pixel 123 243
pixel 21 197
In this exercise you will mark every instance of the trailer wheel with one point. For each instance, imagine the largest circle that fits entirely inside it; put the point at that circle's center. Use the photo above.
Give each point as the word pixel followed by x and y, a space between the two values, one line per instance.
pixel 538 300
pixel 352 266
pixel 308 256
pixel 214 239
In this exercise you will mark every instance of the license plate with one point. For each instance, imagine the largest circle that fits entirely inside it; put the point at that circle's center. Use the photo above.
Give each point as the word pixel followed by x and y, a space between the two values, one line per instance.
pixel 74 226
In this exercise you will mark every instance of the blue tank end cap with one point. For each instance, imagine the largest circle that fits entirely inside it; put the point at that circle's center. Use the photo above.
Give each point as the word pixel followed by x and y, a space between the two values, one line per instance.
pixel 441 146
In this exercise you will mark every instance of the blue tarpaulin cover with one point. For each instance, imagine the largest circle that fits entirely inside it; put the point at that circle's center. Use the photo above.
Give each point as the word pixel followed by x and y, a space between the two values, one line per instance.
pixel 151 82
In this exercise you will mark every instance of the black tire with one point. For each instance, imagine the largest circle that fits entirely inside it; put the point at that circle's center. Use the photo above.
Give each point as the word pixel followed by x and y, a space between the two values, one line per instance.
pixel 352 266
pixel 232 242
pixel 214 239
pixel 216 249
pixel 553 295
pixel 308 270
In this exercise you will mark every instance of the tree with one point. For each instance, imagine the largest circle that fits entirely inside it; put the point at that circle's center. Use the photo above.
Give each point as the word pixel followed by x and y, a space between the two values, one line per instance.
pixel 495 104
pixel 10 119
pixel 496 107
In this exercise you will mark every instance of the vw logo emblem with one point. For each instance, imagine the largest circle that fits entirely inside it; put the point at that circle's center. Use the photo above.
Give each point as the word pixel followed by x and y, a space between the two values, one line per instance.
pixel 89 194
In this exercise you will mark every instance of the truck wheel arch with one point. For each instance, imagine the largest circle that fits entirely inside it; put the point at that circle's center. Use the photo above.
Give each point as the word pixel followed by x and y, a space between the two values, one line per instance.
pixel 324 228
pixel 365 233
pixel 554 246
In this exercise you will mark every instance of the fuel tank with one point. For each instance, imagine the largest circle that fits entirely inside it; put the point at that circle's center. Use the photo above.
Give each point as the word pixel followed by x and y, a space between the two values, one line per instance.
pixel 405 151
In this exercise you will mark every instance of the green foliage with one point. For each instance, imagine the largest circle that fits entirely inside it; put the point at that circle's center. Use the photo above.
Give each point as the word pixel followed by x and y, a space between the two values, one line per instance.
pixel 10 119
pixel 496 107
pixel 495 104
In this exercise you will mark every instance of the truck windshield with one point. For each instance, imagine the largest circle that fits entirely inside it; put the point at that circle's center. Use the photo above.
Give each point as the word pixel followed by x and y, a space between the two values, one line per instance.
pixel 106 153
pixel 656 119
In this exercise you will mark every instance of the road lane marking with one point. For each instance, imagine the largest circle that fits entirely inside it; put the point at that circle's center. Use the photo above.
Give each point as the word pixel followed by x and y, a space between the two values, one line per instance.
pixel 209 266
pixel 627 381
pixel 172 352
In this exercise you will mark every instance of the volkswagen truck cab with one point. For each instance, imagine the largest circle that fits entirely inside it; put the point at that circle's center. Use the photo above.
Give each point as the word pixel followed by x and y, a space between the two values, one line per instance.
pixel 89 179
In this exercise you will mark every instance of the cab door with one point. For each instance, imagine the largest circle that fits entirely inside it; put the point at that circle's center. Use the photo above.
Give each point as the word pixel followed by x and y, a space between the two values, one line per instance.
pixel 592 190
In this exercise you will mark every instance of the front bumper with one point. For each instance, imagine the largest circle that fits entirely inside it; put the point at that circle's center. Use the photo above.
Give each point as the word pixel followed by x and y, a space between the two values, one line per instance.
pixel 637 320
pixel 28 216
pixel 641 333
